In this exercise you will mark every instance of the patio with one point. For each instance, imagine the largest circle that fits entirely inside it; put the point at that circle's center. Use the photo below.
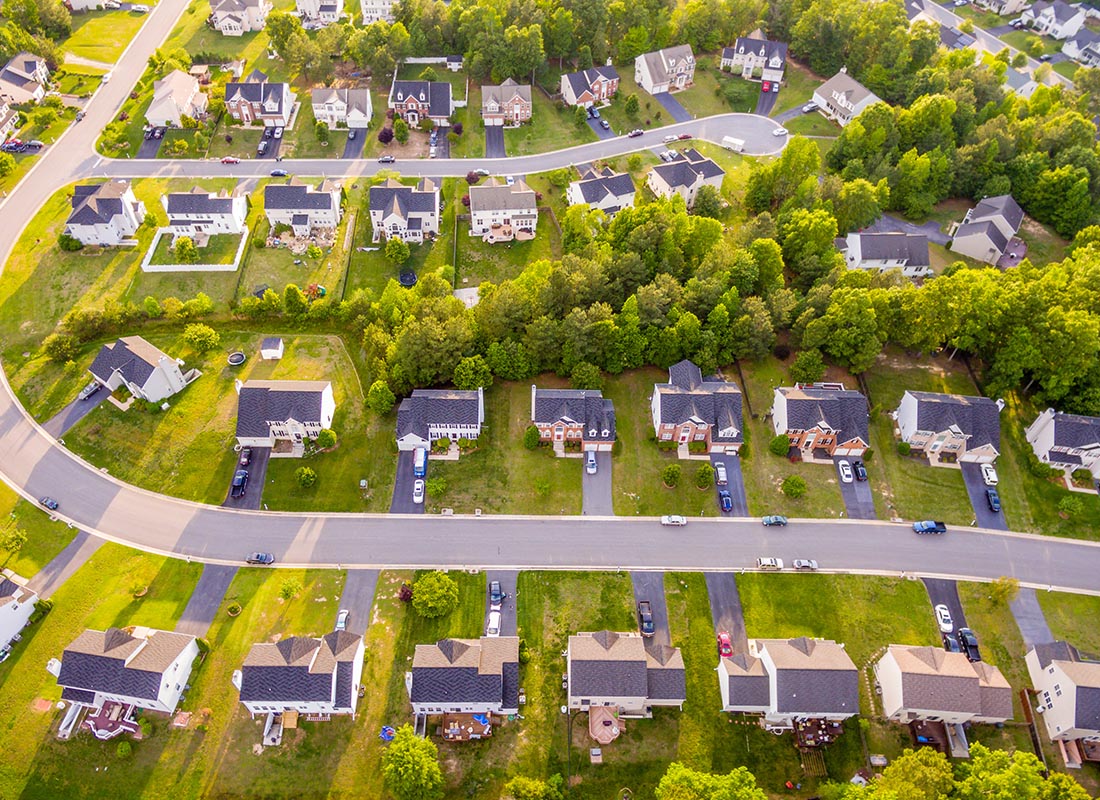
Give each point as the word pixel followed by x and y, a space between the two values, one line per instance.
pixel 810 733
pixel 604 724
pixel 929 734
pixel 112 719
pixel 463 727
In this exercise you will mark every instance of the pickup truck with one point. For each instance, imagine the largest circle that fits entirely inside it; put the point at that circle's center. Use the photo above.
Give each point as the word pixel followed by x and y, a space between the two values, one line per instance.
pixel 930 526
pixel 645 618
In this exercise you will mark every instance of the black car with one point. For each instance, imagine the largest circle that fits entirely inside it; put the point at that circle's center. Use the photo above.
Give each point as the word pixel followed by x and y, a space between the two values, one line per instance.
pixel 48 502
pixel 968 642
pixel 496 594
pixel 645 618
pixel 278 173
pixel 269 132
pixel 951 644
pixel 260 558
pixel 859 470
pixel 993 499
pixel 240 483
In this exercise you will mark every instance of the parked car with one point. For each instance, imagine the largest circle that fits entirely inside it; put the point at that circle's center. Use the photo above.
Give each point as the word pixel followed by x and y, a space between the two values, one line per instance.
pixel 279 173
pixel 1017 23
pixel 605 124
pixel 89 390
pixel 775 86
pixel 590 465
pixel 1045 57
pixel 725 646
pixel 859 470
pixel 779 132
pixel 418 491
pixel 496 596
pixel 593 112
pixel 113 5
pixel 720 476
pixel 140 9
pixel 951 644
pixel 845 470
pixel 961 3
pixel 231 160
pixel 775 519
pixel 351 135
pixel 342 619
pixel 674 519
pixel 771 564
pixel 261 148
pixel 492 629
pixel 635 132
pixel 969 644
pixel 683 137
pixel 240 483
pixel 432 151
pixel 246 456
pixel 158 133
pixel 148 134
pixel 645 618
pixel 930 526
pixel 484 173
pixel 386 159
pixel 260 558
pixel 806 564
pixel 278 133
pixel 989 475
pixel 766 86
pixel 48 502
pixel 669 138
pixel 269 132
pixel 726 500
pixel 943 619
pixel 993 499
pixel 810 106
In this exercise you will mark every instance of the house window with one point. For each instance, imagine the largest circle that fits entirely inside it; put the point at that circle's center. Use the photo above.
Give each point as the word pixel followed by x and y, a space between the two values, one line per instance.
pixel 585 702
pixel 666 436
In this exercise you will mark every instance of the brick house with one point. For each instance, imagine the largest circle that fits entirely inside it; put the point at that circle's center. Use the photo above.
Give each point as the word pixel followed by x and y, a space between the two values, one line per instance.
pixel 822 420
pixel 573 415
pixel 690 409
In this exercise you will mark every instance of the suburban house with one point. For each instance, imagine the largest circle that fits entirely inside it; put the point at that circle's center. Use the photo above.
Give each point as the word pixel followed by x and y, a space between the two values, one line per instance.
pixel 317 13
pixel 417 100
pixel 823 417
pixel 24 79
pixel 954 39
pixel 342 108
pixel 16 606
pixel 689 409
pixel 283 414
pixel 667 70
pixel 1056 19
pixel 1067 690
pixel 507 104
pixel 303 207
pixel 376 11
pixel 606 191
pixel 431 414
pixel 755 57
pixel 987 228
pixel 931 684
pixel 146 372
pixel 238 17
pixel 915 12
pixel 1020 83
pixel 175 96
pixel 110 674
pixel 501 212
pixel 1083 47
pixel 256 99
pixel 573 415
pixel 105 214
pixel 409 213
pixel 202 213
pixel 882 251
pixel 302 674
pixel 617 671
pixel 843 98
pixel 790 680
pixel 1066 441
pixel 1002 8
pixel 685 175
pixel 9 118
pixel 455 63
pixel 950 427
pixel 589 87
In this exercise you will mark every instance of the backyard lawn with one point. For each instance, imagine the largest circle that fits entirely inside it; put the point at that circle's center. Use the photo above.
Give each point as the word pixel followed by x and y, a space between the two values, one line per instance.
pixel 1072 617
pixel 221 248
pixel 276 266
pixel 102 35
pixel 798 88
pixel 477 261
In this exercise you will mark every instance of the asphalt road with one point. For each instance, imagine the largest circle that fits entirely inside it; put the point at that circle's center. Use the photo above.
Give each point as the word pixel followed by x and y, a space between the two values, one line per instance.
pixel 63 421
pixel 508 620
pixel 725 608
pixel 206 599
pixel 651 586
pixel 358 598
pixel 402 501
pixel 975 487
pixel 735 483
pixel 946 592
pixel 596 488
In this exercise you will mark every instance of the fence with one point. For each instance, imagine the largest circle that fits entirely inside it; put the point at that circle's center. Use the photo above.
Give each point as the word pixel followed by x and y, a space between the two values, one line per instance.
pixel 146 266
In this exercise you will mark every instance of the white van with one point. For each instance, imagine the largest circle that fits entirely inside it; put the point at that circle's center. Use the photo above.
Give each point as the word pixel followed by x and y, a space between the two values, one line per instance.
pixel 590 462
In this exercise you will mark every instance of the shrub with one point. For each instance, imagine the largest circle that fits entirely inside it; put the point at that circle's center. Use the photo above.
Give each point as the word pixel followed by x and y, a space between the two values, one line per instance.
pixel 1070 505
pixel 152 307
pixel 201 338
pixel 441 445
pixel 70 244
pixel 531 437
pixel 385 136
pixel 808 367
pixel 326 439
pixel 123 750
pixel 186 252
pixel 781 351
pixel 435 594
pixel 305 477
pixel 1082 476
pixel 744 452
pixel 670 475
pixel 397 251
pixel 904 449
pixel 314 252
pixel 524 652
pixel 60 347
pixel 456 129
pixel 704 476
pixel 697 447
pixel 400 131
pixel 436 487
pixel 290 589
pixel 794 486
pixel 472 178
pixel 146 727
pixel 380 397
pixel 780 445
pixel 1037 467
pixel 868 454
pixel 233 609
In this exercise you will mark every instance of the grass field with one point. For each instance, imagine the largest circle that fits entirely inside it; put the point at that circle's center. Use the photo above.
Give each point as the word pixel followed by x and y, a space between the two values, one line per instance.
pixel 798 88
pixel 220 249
pixel 45 539
pixel 1072 617
pixel 478 261
pixel 102 35
pixel 551 127
pixel 717 92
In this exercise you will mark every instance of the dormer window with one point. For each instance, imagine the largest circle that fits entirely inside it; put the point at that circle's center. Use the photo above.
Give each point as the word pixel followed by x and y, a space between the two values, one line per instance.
pixel 605 433
pixel 591 431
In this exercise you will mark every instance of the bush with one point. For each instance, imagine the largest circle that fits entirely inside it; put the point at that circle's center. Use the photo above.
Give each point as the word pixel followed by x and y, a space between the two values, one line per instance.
pixel 868 454
pixel 1038 468
pixel 531 437
pixel 60 348
pixel 744 452
pixel 904 449
pixel 808 367
pixel 201 338
pixel 385 136
pixel 1082 476
pixel 524 652
pixel 794 486
pixel 781 351
pixel 457 129
pixel 326 439
pixel 305 477
pixel 186 252
pixel 400 131
pixel 436 487
pixel 70 244
pixel 380 397
pixel 1070 505
pixel 123 750
pixel 290 589
pixel 314 252
pixel 780 445
pixel 146 727
pixel 472 178
pixel 397 251
pixel 435 594
pixel 670 475
pixel 704 476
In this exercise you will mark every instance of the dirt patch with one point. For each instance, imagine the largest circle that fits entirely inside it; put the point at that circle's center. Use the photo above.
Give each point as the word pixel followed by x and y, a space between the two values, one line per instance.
pixel 41 705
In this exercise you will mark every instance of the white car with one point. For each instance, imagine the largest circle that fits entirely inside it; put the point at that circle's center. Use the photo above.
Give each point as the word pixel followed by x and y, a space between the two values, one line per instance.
pixel 989 475
pixel 810 106
pixel 342 619
pixel 669 138
pixel 493 628
pixel 807 564
pixel 673 519
pixel 845 470
pixel 418 492
pixel 779 132
pixel 943 618
pixel 769 563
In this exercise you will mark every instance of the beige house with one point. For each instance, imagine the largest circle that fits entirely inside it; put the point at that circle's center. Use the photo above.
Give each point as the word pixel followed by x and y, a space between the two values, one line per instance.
pixel 507 104
pixel 175 96
pixel 667 70
pixel 1066 441
pixel 987 228
pixel 238 17
pixel 1068 698
pixel 967 429
pixel 465 676
pixel 843 98
pixel 755 58
pixel 24 79
pixel 605 191
pixel 685 175
pixel 339 108
pixel 147 372
pixel 501 212
pixel 617 671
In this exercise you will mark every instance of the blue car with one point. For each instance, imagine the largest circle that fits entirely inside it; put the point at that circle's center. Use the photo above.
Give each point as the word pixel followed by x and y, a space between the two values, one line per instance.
pixel 725 499
pixel 930 526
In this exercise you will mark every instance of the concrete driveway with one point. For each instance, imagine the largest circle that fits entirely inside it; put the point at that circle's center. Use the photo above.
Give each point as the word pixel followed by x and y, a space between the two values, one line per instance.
pixel 402 502
pixel 597 488
pixel 651 586
pixel 1029 618
pixel 735 483
pixel 507 578
pixel 858 500
pixel 945 592
pixel 353 148
pixel 673 107
pixel 975 487
pixel 149 148
pixel 254 490
pixel 725 608
pixel 595 125
pixel 358 598
pixel 63 421
pixel 890 224
pixel 494 141
pixel 206 599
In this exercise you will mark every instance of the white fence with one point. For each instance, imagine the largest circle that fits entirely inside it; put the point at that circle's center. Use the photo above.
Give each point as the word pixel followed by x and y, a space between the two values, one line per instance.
pixel 148 267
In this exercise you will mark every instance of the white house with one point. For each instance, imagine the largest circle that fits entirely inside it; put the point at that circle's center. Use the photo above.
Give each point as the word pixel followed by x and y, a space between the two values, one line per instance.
pixel 617 670
pixel 606 191
pixel 843 98
pixel 685 176
pixel 342 108
pixel 1083 47
pixel 500 212
pixel 968 429
pixel 270 412
pixel 929 683
pixel 589 87
pixel 1068 690
pixel 465 676
pixel 175 96
pixel 145 371
pixel 24 79
pixel 689 409
pixel 1020 83
pixel 117 671
pixel 199 212
pixel 667 70
pixel 1066 441
pixel 376 10
pixel 105 214
pixel 16 607
pixel 304 674
pixel 1056 19
pixel 1002 8
pixel 303 207
pixel 238 17
pixel 406 212
pixel 431 414
pixel 907 252
pixel 822 417
pixel 756 58
pixel 9 118
pixel 987 228
pixel 317 13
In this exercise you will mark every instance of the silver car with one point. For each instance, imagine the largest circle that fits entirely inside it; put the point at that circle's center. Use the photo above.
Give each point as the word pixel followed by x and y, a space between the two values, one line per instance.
pixel 807 564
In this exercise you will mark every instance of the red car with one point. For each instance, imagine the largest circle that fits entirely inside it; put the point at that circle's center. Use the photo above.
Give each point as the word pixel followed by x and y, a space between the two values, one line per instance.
pixel 766 86
pixel 725 646
pixel 684 136
pixel 231 160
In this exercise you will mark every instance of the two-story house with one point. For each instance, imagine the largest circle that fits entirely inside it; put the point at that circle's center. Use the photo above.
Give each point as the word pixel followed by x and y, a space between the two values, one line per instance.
pixel 843 98
pixel 255 99
pixel 105 214
pixel 606 191
pixel 589 87
pixel 1066 441
pixel 822 418
pixel 573 415
pixel 303 207
pixel 690 409
pixel 1067 689
pixel 175 96
pixel 201 213
pixel 987 228
pixel 350 108
pixel 145 371
pixel 431 414
pixel 964 429
pixel 24 79
pixel 417 100
pixel 667 70
pixel 238 17
pixel 501 212
pixel 1022 84
pixel 685 175
pixel 16 606
pixel 755 58
pixel 317 13
pixel 304 674
pixel 507 104
pixel 617 671
pixel 1083 47
pixel 1056 19
pixel 405 212
pixel 283 414
pixel 907 252
pixel 1002 8
pixel 376 11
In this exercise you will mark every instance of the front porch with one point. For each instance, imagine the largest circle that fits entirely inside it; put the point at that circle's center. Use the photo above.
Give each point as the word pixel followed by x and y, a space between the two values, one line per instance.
pixel 287 448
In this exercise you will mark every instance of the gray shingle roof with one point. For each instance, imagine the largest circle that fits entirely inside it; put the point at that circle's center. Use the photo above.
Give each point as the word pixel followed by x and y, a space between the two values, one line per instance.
pixel 986 227
pixel 1063 12
pixel 199 201
pixel 455 671
pixel 751 689
pixel 98 204
pixel 1076 431
pixel 257 91
pixel 976 417
pixel 298 197
pixel 1047 652
pixel 657 62
pixel 758 47
pixel 497 196
pixel 436 407
pixel 687 395
pixel 277 401
pixel 133 358
pixel 436 93
pixel 843 410
pixel 1088 708
pixel 301 669
pixel 594 188
pixel 393 195
pixel 955 39
pixel 586 406
pixel 911 247
pixel 609 679
pixel 687 169
pixel 115 662
pixel 817 691
pixel 582 81
pixel 505 92
pixel 1004 205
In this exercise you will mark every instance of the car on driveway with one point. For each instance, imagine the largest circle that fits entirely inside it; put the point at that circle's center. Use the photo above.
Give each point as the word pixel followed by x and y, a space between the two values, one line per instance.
pixel 989 475
pixel 278 133
pixel 418 491
pixel 725 646
pixel 386 159
pixel 645 618
pixel 993 499
pixel 726 500
pixel 969 644
pixel 845 470
pixel 811 106
pixel 496 596
pixel 590 465
pixel 605 124
pixel 806 564
pixel 231 160
pixel 492 629
pixel 246 456
pixel 930 526
pixel 593 112
pixel 766 86
pixel 240 483
pixel 943 618
pixel 859 470
pixel 775 519
pixel 260 558
pixel 48 502
pixel 673 519
pixel 351 135
pixel 635 132
pixel 720 476
pixel 770 564
pixel 951 644
pixel 775 86
pixel 342 619
pixel 89 390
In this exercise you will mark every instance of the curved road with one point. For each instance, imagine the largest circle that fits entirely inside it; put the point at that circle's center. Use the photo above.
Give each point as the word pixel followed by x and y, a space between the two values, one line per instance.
pixel 33 463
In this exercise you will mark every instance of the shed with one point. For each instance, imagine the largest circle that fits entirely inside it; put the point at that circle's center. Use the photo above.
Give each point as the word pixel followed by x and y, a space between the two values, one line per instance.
pixel 271 349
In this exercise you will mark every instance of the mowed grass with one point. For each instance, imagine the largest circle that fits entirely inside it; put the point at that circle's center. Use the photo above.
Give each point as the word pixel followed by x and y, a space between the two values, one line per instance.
pixel 717 92
pixel 45 539
pixel 103 35
pixel 552 127
pixel 501 476
pixel 477 261
pixel 1072 618
pixel 798 88
pixel 220 248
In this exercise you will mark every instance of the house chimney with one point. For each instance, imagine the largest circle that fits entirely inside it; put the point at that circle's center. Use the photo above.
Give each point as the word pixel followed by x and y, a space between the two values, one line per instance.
pixel 1000 405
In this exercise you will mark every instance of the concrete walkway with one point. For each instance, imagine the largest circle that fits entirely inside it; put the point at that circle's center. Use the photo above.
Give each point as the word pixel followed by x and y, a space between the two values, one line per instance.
pixel 1029 618
pixel 205 599
pixel 64 564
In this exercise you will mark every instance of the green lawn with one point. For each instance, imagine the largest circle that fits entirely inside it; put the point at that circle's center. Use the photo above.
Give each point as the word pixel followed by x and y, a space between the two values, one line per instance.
pixel 45 539
pixel 301 141
pixel 502 477
pixel 552 127
pixel 411 72
pixel 478 261
pixel 471 142
pixel 275 266
pixel 1067 69
pixel 77 79
pixel 220 249
pixel 648 109
pixel 1020 40
pixel 243 144
pixel 812 125
pixel 1072 617
pixel 1043 244
pixel 798 88
pixel 102 35
pixel 717 92
pixel 24 161
pixel 982 19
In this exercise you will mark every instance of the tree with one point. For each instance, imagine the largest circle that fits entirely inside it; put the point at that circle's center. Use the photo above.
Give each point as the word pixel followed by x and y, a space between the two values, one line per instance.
pixel 531 437
pixel 808 367
pixel 682 783
pixel 580 116
pixel 290 589
pixel 523 788
pixel 43 117
pixel 794 486
pixel 322 131
pixel 295 302
pixel 1070 506
pixel 400 130
pixel 186 252
pixel 708 202
pixel 632 106
pixel 473 372
pixel 397 251
pixel 780 445
pixel 435 594
pixel 201 338
pixel 586 376
pixel 326 439
pixel 1003 590
pixel 152 307
pixel 7 164
pixel 305 476
pixel 410 764
pixel 70 244
pixel 314 252
pixel 428 74
pixel 436 487
pixel 380 397
pixel 924 774
pixel 12 538
pixel 385 135
pixel 704 476
pixel 670 475
pixel 60 348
